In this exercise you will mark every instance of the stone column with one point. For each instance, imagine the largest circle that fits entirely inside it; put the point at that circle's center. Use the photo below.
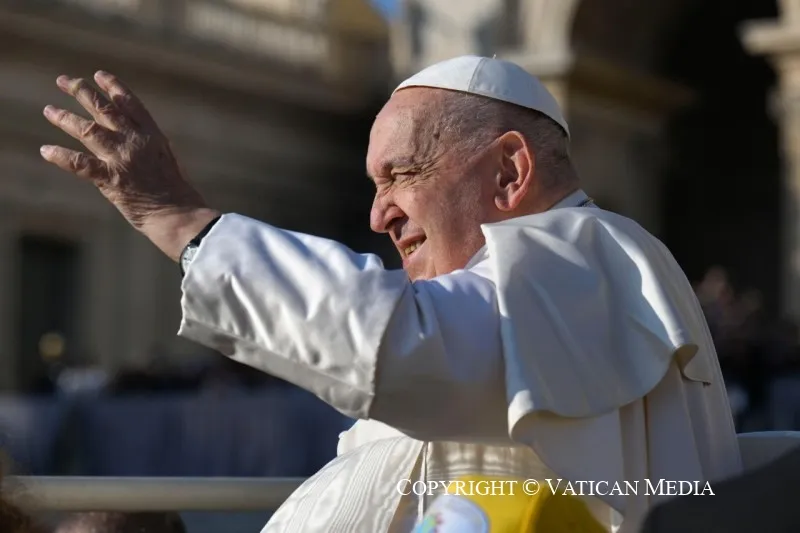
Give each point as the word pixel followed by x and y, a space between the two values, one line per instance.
pixel 617 153
pixel 779 41
pixel 617 118
pixel 788 105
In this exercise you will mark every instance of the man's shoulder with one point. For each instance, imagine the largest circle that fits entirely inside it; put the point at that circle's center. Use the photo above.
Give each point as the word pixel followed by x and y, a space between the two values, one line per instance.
pixel 566 214
pixel 573 225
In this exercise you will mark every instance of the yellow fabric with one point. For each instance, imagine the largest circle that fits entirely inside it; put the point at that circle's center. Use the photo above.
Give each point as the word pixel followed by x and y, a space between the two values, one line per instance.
pixel 508 509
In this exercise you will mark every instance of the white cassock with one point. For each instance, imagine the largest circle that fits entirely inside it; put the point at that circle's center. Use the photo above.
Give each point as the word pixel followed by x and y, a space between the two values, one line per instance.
pixel 571 347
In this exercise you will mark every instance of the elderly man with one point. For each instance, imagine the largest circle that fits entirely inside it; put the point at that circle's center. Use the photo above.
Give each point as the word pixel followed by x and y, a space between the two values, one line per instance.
pixel 530 335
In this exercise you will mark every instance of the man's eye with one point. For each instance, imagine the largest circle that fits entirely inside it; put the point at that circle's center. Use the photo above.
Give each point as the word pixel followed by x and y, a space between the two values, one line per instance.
pixel 400 176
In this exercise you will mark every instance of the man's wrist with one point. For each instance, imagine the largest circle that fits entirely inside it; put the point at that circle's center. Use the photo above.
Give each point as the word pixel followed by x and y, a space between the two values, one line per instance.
pixel 172 231
pixel 187 256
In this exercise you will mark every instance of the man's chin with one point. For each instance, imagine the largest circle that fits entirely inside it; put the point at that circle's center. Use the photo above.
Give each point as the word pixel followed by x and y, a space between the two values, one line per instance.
pixel 417 277
pixel 420 274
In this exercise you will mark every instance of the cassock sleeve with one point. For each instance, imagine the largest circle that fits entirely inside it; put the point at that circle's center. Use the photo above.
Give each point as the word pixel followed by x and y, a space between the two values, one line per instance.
pixel 423 357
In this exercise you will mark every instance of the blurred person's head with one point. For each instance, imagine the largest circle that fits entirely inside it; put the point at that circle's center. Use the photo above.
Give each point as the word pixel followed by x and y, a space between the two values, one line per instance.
pixel 114 522
pixel 13 518
pixel 444 162
pixel 716 275
pixel 715 284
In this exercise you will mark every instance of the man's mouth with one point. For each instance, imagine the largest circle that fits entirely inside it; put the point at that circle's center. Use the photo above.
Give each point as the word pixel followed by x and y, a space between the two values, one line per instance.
pixel 413 247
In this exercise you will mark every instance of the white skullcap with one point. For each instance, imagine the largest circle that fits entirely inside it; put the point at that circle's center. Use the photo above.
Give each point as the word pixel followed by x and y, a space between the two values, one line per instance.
pixel 492 78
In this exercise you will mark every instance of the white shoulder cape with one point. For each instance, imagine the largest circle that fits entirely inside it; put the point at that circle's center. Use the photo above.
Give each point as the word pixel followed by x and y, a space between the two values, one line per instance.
pixel 597 316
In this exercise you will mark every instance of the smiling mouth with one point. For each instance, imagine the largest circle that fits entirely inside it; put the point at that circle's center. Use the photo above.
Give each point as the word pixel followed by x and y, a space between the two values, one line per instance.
pixel 409 250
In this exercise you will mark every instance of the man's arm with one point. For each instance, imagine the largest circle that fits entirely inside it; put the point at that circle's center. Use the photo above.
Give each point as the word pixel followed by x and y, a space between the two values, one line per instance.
pixel 425 358
pixel 422 357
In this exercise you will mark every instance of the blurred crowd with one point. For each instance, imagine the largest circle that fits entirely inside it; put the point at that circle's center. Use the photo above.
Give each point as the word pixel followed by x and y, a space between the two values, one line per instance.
pixel 760 357
pixel 190 415
pixel 201 415
pixel 164 369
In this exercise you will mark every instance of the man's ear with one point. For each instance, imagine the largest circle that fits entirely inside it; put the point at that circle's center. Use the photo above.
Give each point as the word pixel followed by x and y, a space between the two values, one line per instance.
pixel 517 167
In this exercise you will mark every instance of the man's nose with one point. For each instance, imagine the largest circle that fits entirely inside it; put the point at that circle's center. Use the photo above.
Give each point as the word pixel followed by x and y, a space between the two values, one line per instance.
pixel 383 213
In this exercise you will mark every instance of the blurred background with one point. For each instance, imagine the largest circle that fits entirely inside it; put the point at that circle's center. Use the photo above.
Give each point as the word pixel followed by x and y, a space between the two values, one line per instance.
pixel 685 116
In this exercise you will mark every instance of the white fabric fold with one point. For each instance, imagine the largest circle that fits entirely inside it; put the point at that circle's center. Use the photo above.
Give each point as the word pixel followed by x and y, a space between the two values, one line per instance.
pixel 610 369
pixel 255 295
pixel 588 324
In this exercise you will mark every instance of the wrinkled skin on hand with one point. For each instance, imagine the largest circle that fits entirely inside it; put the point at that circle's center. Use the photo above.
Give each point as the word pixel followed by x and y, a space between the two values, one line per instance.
pixel 130 161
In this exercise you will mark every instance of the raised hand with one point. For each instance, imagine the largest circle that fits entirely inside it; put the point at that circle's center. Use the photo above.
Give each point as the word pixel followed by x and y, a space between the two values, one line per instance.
pixel 130 161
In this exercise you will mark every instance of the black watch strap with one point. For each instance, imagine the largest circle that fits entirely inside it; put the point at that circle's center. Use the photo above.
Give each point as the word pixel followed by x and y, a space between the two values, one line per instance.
pixel 188 253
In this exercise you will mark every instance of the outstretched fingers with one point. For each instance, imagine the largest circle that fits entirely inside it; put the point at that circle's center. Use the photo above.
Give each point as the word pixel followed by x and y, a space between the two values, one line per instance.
pixel 96 103
pixel 100 140
pixel 124 99
pixel 82 165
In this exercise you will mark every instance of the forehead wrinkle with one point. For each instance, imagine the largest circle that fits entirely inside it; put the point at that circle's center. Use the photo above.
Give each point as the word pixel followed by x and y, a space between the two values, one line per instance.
pixel 427 125
pixel 412 141
pixel 421 147
pixel 408 131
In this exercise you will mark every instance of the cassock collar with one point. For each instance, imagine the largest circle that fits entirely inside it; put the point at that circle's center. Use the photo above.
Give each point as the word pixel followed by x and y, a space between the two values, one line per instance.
pixel 574 199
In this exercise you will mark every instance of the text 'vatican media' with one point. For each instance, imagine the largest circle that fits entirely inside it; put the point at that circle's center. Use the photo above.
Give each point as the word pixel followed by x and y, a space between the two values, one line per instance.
pixel 531 487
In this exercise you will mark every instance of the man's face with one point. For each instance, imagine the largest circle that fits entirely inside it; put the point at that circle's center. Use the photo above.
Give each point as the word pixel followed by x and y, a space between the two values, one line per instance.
pixel 430 197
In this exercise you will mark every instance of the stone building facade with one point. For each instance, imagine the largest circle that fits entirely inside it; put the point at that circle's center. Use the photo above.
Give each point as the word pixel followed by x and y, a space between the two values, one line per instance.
pixel 268 104
pixel 683 116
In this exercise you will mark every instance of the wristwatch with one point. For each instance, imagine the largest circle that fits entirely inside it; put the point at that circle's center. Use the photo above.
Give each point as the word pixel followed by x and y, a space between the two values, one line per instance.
pixel 188 253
